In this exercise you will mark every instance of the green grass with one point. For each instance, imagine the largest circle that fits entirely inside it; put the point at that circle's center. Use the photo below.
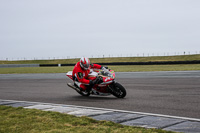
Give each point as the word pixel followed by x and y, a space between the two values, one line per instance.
pixel 20 120
pixel 144 68
pixel 19 70
pixel 108 60
pixel 133 68
pixel 128 68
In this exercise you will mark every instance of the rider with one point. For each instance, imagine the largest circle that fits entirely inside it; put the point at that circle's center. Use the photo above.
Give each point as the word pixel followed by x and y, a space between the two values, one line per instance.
pixel 80 74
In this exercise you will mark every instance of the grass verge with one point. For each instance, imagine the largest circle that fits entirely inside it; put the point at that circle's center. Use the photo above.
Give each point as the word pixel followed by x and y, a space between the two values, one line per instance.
pixel 20 120
pixel 108 60
pixel 125 68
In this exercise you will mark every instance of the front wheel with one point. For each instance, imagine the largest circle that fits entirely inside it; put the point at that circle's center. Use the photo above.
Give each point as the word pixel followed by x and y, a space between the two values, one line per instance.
pixel 118 90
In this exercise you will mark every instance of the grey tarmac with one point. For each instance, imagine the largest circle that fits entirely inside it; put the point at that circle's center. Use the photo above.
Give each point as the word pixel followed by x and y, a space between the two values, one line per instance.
pixel 169 93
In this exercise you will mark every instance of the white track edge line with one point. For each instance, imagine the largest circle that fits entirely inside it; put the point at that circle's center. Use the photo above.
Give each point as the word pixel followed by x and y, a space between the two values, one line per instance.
pixel 114 110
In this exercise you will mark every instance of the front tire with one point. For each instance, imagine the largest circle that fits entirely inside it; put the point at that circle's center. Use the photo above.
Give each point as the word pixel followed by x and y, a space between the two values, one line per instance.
pixel 118 90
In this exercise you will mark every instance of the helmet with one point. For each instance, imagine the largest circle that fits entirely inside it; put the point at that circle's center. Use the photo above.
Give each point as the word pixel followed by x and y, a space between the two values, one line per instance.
pixel 84 63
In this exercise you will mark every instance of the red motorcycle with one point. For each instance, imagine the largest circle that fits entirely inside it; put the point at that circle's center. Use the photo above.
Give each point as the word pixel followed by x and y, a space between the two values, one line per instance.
pixel 106 84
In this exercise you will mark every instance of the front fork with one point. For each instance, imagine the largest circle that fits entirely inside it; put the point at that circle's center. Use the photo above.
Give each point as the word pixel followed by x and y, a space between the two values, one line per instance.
pixel 111 86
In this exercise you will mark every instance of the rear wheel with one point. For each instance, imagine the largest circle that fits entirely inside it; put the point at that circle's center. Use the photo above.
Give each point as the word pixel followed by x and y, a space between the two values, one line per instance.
pixel 118 90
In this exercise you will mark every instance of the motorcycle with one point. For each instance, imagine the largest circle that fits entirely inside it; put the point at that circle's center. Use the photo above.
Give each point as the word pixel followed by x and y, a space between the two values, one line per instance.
pixel 106 84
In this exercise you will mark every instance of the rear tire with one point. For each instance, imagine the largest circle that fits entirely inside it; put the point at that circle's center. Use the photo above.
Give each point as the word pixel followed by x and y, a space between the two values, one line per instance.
pixel 118 90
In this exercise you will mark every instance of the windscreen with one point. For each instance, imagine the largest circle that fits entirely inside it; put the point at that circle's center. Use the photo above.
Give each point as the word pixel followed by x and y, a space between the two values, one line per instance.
pixel 106 73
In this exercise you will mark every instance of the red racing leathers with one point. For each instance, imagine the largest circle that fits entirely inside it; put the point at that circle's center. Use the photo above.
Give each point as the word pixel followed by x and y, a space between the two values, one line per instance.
pixel 80 75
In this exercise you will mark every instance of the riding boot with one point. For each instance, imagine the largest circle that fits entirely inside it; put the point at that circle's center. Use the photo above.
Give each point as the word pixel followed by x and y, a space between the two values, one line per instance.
pixel 80 89
pixel 89 89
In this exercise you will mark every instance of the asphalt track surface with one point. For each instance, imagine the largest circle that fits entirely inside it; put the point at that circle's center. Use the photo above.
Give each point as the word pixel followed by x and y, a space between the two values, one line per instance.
pixel 167 93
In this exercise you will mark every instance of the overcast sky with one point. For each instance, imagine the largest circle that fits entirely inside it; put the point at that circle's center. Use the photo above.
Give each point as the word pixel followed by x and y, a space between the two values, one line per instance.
pixel 75 28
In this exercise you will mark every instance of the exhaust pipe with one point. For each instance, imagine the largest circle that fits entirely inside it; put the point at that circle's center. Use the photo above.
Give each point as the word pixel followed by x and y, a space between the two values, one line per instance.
pixel 73 87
